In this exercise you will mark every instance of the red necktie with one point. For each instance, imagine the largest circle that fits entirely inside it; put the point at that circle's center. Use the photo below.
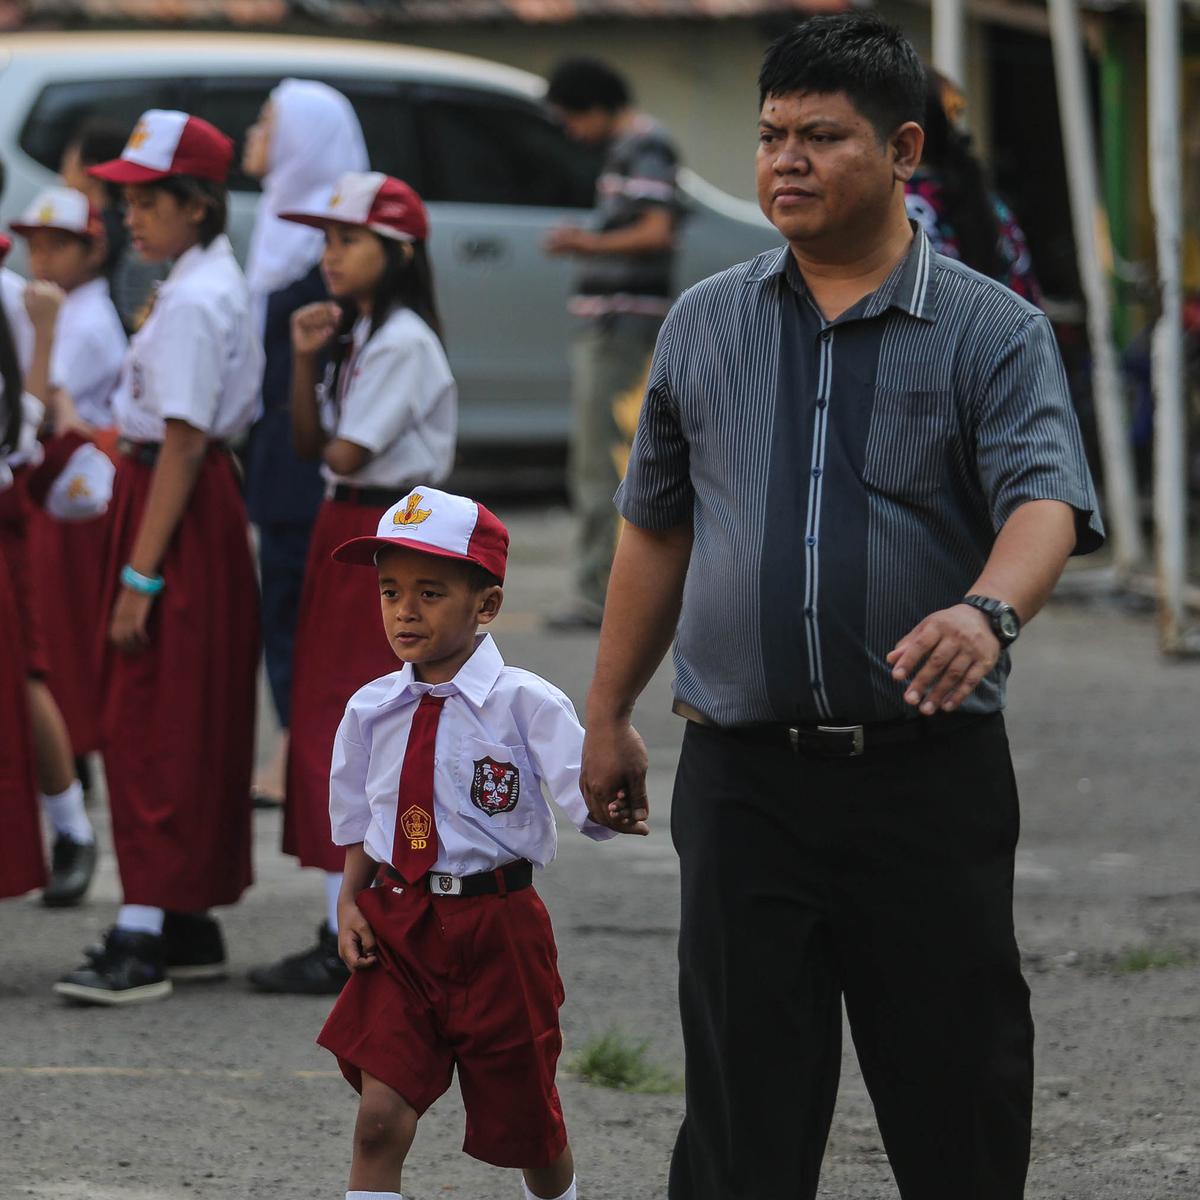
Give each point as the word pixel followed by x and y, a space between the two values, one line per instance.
pixel 415 846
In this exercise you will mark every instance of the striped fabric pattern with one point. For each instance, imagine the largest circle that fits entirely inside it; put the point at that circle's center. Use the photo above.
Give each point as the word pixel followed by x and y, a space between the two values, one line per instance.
pixel 844 479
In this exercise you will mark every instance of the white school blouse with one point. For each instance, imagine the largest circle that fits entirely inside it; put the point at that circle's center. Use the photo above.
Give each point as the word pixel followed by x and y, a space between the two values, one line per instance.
pixel 197 358
pixel 12 296
pixel 499 726
pixel 89 351
pixel 397 398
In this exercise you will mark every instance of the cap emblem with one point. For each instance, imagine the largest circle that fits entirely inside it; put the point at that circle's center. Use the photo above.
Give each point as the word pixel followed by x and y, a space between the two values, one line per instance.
pixel 335 199
pixel 412 514
pixel 45 214
pixel 139 137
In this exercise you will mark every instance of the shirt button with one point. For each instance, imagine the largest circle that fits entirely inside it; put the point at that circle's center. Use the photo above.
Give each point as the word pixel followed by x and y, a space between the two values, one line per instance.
pixel 810 612
pixel 816 472
pixel 810 541
pixel 816 683
pixel 822 404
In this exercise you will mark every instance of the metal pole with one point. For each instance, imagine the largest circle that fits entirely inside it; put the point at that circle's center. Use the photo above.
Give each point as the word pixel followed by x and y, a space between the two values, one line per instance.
pixel 1094 250
pixel 1170 413
pixel 950 39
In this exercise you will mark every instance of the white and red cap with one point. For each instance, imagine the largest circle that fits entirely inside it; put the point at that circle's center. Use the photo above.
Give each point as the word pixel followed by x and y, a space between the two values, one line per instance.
pixel 75 479
pixel 60 208
pixel 437 523
pixel 165 143
pixel 386 206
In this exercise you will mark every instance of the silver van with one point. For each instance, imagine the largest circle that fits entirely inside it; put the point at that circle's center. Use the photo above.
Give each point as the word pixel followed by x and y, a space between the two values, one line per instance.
pixel 471 136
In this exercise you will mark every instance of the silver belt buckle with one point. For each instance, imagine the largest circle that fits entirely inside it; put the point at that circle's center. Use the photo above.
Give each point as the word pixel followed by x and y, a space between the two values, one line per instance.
pixel 444 885
pixel 857 740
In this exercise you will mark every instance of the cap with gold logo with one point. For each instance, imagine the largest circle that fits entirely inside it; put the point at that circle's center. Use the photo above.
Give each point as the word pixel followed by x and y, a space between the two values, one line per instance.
pixel 60 208
pixel 438 523
pixel 164 143
pixel 386 206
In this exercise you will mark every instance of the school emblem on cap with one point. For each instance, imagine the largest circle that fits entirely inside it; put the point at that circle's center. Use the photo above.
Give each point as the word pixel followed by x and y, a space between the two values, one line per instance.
pixel 495 786
pixel 416 824
pixel 335 199
pixel 412 513
pixel 139 136
pixel 46 214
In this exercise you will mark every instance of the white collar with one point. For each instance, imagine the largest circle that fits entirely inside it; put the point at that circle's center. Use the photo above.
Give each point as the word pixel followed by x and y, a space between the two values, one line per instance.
pixel 474 679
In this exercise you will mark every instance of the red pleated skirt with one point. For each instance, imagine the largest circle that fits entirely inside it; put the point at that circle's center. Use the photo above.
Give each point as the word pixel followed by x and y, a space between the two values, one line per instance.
pixel 177 722
pixel 16 509
pixel 340 645
pixel 22 857
pixel 67 559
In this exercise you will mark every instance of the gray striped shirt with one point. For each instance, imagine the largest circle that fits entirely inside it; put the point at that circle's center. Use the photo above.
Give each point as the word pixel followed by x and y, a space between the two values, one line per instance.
pixel 844 479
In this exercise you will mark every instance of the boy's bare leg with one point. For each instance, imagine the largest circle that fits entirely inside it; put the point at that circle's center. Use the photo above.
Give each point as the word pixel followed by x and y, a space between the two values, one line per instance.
pixel 383 1135
pixel 51 742
pixel 550 1182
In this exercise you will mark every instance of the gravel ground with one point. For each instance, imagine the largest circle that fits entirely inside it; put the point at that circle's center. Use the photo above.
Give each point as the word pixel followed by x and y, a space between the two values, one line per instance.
pixel 222 1093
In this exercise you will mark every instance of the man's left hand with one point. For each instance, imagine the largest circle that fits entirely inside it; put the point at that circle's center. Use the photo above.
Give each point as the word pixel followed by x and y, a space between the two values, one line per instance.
pixel 567 239
pixel 944 658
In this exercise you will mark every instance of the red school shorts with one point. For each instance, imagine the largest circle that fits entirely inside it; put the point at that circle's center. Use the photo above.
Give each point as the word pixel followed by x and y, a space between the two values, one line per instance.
pixel 466 982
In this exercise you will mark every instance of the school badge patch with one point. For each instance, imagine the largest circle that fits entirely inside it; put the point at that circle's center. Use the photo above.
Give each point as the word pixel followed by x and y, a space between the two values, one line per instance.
pixel 495 786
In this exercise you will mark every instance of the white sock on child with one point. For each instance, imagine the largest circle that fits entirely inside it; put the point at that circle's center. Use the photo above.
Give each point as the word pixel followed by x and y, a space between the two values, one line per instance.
pixel 140 918
pixel 67 814
pixel 374 1196
pixel 569 1194
pixel 333 889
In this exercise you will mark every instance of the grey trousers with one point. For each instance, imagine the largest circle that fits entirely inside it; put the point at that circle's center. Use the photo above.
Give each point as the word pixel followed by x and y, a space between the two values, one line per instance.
pixel 610 359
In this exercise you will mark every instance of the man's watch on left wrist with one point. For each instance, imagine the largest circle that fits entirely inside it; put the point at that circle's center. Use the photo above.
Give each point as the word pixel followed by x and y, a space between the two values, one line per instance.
pixel 1006 624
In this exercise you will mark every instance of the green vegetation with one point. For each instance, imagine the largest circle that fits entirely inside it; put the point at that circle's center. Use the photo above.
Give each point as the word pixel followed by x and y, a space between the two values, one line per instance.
pixel 615 1061
pixel 1152 958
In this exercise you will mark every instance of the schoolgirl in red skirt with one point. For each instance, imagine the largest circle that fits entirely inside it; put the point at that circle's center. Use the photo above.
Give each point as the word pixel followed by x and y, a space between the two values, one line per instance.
pixel 179 671
pixel 383 417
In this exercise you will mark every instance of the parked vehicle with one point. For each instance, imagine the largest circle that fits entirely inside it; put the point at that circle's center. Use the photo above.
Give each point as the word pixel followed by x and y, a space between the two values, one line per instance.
pixel 471 136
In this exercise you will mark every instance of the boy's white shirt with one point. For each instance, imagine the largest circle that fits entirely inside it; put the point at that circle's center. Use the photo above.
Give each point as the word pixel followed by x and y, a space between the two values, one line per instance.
pixel 492 712
pixel 89 351
pixel 400 402
pixel 197 358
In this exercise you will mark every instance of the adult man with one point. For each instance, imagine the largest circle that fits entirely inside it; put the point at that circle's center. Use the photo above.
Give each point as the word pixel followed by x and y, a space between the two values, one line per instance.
pixel 622 293
pixel 841 441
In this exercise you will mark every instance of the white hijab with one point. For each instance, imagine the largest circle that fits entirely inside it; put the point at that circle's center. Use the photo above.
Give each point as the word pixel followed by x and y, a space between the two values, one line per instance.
pixel 315 140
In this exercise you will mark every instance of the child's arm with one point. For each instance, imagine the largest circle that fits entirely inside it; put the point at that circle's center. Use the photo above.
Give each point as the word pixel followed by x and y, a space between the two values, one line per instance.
pixel 312 327
pixel 42 302
pixel 356 942
pixel 175 473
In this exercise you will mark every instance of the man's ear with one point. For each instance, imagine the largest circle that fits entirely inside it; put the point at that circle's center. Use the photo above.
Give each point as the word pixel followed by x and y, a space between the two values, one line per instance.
pixel 906 145
pixel 489 605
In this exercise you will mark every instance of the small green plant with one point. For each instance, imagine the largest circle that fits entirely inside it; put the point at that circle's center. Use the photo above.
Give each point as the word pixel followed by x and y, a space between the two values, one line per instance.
pixel 1152 958
pixel 615 1061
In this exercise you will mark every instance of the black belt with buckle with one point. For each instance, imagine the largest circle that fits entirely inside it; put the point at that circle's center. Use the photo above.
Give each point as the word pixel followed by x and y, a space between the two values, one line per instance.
pixel 368 497
pixel 849 741
pixel 511 877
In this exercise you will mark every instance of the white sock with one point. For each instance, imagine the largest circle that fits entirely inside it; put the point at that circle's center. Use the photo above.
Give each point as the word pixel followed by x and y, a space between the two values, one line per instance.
pixel 374 1196
pixel 333 889
pixel 569 1194
pixel 67 814
pixel 140 918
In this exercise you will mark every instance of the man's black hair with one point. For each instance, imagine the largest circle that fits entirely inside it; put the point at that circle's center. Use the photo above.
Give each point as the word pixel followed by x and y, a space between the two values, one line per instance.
pixel 579 84
pixel 857 53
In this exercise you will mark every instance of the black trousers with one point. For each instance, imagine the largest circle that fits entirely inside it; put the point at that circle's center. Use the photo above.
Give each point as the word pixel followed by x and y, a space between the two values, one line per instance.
pixel 885 882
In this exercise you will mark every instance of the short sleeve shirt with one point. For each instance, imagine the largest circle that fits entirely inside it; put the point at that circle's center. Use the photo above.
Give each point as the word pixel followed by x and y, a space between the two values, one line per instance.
pixel 197 358
pixel 397 399
pixel 89 351
pixel 12 296
pixel 844 479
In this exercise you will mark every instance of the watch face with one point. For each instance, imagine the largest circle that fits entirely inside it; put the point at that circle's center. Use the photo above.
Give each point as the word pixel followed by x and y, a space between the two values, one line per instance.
pixel 1009 625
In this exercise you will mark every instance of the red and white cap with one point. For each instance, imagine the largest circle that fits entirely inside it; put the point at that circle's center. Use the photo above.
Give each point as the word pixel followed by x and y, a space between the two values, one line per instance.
pixel 386 206
pixel 437 523
pixel 165 143
pixel 75 479
pixel 60 208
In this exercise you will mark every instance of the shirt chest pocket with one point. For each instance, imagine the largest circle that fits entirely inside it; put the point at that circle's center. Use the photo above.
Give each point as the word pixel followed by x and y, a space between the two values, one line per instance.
pixel 497 786
pixel 908 446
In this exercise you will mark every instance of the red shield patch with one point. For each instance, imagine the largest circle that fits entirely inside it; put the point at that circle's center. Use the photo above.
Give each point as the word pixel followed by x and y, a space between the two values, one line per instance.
pixel 495 787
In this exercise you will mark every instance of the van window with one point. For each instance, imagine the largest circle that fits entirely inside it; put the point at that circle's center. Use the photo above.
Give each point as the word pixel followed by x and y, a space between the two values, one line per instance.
pixel 484 148
pixel 62 108
pixel 232 105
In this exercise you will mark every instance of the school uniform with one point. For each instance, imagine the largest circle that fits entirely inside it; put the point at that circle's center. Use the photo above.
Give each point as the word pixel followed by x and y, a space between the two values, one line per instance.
pixel 396 397
pixel 68 558
pixel 12 296
pixel 177 723
pixel 467 976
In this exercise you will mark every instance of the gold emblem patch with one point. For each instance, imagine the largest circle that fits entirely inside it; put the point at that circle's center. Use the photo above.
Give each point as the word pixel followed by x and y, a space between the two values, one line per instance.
pixel 416 824
pixel 45 214
pixel 139 137
pixel 413 514
pixel 78 488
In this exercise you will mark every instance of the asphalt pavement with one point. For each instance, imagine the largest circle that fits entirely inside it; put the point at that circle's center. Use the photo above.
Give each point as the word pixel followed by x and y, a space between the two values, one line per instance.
pixel 220 1092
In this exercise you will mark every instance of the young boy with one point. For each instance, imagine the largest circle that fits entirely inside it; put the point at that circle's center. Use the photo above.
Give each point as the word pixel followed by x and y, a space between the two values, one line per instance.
pixel 436 793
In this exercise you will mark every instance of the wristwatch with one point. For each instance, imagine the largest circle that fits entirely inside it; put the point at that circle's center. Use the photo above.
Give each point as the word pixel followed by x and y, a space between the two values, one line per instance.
pixel 1006 625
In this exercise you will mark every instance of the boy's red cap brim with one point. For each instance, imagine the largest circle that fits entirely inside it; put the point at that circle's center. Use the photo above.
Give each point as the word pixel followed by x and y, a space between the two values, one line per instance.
pixel 361 552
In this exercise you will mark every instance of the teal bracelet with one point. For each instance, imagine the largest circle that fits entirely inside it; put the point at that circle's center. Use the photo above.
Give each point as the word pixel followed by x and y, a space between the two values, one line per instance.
pixel 147 585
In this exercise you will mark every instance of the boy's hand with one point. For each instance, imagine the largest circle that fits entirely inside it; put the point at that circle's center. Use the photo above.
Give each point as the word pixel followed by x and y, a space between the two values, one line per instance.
pixel 313 326
pixel 356 942
pixel 622 819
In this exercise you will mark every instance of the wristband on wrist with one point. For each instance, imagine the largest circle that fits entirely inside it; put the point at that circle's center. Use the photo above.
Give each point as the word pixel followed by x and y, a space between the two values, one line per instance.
pixel 146 585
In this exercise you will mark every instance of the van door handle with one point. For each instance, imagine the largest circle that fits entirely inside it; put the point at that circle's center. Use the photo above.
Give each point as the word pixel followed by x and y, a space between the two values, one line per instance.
pixel 482 250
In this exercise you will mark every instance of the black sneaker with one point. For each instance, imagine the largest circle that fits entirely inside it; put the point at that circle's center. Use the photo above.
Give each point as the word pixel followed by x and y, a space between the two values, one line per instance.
pixel 130 968
pixel 195 949
pixel 72 865
pixel 316 972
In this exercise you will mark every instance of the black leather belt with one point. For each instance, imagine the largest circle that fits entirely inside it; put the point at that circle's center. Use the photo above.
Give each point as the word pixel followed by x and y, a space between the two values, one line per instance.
pixel 849 741
pixel 368 497
pixel 511 877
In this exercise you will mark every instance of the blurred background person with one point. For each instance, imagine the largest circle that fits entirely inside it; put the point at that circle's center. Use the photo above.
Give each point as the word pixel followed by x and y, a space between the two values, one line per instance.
pixel 623 289
pixel 950 197
pixel 306 137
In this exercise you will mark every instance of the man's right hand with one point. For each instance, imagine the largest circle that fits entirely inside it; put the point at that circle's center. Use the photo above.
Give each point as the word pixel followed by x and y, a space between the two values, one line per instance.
pixel 356 941
pixel 613 776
